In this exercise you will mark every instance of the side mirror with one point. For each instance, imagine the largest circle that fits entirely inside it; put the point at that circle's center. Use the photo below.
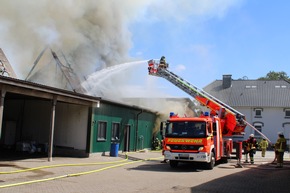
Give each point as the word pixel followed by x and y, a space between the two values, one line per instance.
pixel 162 129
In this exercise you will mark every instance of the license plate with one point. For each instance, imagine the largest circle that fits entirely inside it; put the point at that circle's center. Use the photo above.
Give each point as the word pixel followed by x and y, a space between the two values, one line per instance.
pixel 184 155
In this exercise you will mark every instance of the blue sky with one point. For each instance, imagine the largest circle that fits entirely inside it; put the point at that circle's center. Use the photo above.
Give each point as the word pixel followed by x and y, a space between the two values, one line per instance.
pixel 244 38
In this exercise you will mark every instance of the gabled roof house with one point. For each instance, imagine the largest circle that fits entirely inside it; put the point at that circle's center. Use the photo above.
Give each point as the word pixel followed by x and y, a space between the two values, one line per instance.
pixel 265 103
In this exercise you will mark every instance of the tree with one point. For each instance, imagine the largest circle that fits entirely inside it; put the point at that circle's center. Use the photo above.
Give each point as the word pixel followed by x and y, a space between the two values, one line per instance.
pixel 275 76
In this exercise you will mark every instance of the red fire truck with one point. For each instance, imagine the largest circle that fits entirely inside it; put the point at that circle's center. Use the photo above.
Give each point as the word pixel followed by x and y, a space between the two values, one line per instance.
pixel 205 139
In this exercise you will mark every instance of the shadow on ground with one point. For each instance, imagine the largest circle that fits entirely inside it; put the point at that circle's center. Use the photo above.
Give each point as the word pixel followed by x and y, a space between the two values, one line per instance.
pixel 264 178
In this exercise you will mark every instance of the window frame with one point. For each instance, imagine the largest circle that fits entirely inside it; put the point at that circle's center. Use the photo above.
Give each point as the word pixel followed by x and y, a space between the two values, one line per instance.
pixel 259 126
pixel 102 131
pixel 258 115
pixel 287 111
pixel 115 133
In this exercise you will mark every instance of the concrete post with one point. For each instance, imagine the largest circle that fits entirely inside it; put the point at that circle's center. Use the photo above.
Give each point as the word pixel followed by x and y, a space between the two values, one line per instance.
pixel 3 93
pixel 50 143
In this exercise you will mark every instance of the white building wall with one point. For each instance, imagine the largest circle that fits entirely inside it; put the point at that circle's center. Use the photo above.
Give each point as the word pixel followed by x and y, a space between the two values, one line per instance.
pixel 71 126
pixel 272 120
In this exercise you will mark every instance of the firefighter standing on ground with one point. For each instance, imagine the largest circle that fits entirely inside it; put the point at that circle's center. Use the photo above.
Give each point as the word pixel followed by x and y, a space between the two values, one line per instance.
pixel 264 145
pixel 280 147
pixel 251 145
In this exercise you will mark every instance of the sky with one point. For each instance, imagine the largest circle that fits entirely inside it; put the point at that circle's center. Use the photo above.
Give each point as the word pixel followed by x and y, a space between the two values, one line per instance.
pixel 201 40
pixel 244 38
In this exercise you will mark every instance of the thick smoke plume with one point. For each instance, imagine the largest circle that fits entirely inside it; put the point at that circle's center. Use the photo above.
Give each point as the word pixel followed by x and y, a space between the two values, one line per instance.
pixel 93 33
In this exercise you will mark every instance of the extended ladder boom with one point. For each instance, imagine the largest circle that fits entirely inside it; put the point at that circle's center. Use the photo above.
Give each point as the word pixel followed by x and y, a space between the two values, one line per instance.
pixel 234 123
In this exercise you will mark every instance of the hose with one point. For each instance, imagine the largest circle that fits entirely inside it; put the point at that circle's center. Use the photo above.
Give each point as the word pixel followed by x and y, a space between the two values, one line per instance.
pixel 73 174
pixel 65 165
pixel 62 165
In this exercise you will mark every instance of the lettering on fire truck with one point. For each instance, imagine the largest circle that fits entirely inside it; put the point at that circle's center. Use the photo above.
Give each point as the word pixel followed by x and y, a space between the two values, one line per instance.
pixel 181 140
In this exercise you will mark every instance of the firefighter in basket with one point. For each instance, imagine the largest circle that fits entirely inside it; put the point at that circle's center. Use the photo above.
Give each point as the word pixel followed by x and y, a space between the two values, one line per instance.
pixel 163 63
pixel 250 148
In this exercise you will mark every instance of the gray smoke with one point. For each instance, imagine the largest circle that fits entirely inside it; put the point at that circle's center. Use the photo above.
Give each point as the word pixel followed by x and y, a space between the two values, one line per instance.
pixel 93 33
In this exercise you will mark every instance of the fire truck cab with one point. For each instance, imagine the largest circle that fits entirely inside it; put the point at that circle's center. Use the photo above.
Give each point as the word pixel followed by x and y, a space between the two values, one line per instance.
pixel 194 139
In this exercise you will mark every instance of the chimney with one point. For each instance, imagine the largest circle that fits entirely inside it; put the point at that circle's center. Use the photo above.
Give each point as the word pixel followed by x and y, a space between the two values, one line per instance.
pixel 227 81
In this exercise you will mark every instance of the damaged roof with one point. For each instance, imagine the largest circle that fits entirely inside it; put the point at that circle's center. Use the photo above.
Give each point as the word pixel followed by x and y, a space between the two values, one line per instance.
pixel 5 67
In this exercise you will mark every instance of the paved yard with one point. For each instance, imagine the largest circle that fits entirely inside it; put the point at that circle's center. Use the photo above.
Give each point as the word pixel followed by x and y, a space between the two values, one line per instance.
pixel 142 172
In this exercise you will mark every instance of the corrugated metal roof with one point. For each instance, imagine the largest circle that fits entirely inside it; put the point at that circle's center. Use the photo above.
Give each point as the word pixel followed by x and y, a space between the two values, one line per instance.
pixel 249 93
pixel 44 88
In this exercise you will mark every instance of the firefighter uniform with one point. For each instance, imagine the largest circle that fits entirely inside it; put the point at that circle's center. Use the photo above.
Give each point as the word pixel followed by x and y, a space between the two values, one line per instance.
pixel 281 146
pixel 251 145
pixel 163 63
pixel 264 145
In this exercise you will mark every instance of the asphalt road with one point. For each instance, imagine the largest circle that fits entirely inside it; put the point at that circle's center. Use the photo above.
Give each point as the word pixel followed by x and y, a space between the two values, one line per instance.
pixel 141 174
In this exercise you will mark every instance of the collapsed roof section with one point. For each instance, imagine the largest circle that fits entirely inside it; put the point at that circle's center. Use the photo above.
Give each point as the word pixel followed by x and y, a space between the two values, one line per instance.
pixel 5 67
pixel 49 68
pixel 53 69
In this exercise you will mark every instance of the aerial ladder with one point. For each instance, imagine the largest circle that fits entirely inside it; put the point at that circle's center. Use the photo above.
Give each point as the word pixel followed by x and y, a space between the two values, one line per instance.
pixel 233 121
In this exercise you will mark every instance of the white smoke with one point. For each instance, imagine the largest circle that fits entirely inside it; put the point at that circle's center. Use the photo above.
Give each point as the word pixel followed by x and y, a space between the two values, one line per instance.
pixel 94 34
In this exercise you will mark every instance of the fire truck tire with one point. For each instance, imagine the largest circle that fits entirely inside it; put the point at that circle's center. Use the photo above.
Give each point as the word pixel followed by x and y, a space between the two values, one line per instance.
pixel 173 163
pixel 211 164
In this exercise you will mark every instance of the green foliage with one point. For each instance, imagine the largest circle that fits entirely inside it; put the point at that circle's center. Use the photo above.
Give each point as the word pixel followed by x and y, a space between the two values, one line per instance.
pixel 275 76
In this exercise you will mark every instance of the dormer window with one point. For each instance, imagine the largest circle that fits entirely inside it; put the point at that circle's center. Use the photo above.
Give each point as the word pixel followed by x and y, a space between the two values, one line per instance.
pixel 253 86
pixel 280 86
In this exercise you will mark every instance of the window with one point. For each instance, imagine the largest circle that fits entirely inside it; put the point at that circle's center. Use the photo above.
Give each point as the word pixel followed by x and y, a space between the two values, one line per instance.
pixel 186 129
pixel 281 86
pixel 287 113
pixel 102 131
pixel 253 86
pixel 259 128
pixel 115 132
pixel 209 128
pixel 258 113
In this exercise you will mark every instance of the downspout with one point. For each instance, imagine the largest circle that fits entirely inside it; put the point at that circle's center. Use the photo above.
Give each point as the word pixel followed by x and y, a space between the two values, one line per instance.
pixel 136 134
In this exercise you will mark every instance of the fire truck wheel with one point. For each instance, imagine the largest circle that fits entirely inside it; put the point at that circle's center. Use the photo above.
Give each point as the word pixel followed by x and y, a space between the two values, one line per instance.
pixel 173 163
pixel 211 164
